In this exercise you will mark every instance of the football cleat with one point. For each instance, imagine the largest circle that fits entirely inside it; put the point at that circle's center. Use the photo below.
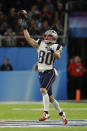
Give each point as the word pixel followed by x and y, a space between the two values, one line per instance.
pixel 62 114
pixel 44 116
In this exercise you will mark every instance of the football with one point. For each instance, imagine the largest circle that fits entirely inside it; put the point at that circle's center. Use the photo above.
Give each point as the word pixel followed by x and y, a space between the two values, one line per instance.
pixel 23 14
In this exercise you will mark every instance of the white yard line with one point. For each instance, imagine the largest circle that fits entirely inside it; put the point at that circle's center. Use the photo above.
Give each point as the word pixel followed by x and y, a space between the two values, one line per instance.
pixel 20 102
pixel 40 102
pixel 40 109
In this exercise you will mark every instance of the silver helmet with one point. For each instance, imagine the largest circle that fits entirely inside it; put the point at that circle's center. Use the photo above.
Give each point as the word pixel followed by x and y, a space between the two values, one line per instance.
pixel 53 34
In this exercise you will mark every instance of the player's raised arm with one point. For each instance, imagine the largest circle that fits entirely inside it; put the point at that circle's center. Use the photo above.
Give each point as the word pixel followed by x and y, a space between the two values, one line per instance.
pixel 32 42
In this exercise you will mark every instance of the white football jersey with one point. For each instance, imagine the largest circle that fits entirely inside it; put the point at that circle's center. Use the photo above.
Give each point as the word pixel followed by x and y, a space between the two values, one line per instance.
pixel 45 55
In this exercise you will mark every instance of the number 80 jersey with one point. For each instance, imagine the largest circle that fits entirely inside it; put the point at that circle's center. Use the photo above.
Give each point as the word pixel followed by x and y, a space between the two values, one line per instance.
pixel 45 55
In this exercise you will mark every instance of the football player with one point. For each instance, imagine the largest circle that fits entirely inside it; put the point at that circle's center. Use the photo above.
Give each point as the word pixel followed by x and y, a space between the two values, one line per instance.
pixel 48 51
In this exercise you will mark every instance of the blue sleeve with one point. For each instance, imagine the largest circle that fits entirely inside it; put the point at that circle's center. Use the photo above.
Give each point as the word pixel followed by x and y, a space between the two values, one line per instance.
pixel 39 42
pixel 58 47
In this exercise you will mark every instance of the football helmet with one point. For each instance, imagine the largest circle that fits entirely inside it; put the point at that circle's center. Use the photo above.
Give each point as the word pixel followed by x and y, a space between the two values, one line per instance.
pixel 50 36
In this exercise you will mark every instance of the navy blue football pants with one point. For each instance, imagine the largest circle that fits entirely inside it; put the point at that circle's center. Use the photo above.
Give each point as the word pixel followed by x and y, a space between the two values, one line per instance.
pixel 46 80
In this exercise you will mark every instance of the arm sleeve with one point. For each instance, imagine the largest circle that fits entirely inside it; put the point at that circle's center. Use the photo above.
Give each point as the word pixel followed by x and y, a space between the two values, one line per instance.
pixel 59 47
pixel 39 41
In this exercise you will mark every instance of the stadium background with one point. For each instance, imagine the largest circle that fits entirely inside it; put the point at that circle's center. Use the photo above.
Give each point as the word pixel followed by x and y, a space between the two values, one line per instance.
pixel 67 17
pixel 22 58
pixel 20 86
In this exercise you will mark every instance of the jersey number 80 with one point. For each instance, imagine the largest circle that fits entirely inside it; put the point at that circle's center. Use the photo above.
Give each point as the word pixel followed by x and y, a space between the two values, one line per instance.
pixel 45 58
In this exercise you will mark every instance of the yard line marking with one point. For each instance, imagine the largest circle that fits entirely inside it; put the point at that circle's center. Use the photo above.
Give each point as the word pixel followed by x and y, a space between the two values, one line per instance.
pixel 40 109
pixel 36 123
pixel 40 102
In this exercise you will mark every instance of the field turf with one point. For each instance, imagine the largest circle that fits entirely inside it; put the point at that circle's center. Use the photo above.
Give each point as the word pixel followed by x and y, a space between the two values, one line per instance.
pixel 34 111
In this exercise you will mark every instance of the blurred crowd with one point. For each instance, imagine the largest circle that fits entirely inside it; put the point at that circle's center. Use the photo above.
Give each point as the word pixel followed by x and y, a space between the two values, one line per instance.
pixel 43 14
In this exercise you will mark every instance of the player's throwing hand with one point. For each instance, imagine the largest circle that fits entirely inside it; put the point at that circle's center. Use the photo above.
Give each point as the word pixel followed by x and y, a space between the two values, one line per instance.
pixel 23 14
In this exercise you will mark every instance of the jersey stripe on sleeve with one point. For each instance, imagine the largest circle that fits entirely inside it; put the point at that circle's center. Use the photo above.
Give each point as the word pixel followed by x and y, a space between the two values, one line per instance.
pixel 39 41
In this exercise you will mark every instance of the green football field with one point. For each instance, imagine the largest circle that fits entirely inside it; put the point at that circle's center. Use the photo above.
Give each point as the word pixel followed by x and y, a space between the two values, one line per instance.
pixel 74 111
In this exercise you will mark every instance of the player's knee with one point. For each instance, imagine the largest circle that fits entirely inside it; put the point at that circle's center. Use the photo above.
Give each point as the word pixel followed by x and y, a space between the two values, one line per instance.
pixel 51 98
pixel 43 90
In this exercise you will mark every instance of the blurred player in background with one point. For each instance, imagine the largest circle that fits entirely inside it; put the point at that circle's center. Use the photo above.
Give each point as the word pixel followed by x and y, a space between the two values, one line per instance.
pixel 48 51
